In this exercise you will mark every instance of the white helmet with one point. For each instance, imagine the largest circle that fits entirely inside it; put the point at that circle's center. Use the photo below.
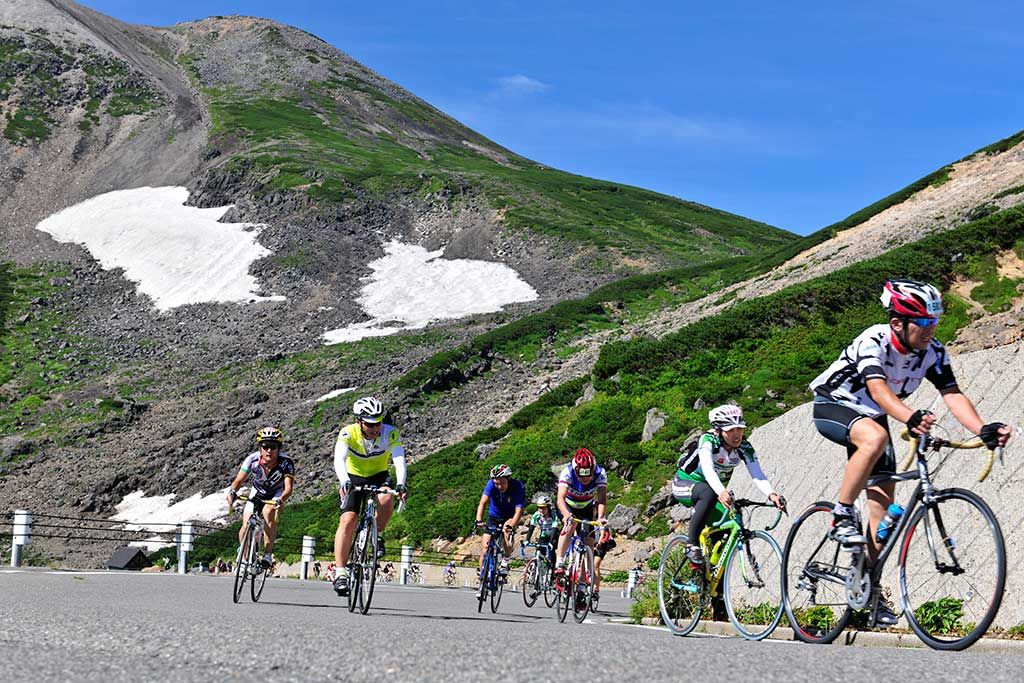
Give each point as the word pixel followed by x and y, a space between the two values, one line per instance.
pixel 543 500
pixel 911 299
pixel 368 409
pixel 726 417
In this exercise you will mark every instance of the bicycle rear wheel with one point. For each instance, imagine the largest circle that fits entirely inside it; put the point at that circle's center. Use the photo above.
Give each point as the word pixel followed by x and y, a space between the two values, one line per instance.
pixel 259 577
pixel 682 590
pixel 583 585
pixel 952 570
pixel 242 566
pixel 531 582
pixel 814 577
pixel 368 564
pixel 753 586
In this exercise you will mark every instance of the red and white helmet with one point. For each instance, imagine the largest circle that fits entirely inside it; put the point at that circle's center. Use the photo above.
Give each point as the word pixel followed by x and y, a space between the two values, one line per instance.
pixel 726 417
pixel 911 299
pixel 584 462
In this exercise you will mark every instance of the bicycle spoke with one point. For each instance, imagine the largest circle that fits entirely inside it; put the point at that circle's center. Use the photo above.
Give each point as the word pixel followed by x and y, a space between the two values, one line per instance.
pixel 753 586
pixel 952 590
pixel 681 589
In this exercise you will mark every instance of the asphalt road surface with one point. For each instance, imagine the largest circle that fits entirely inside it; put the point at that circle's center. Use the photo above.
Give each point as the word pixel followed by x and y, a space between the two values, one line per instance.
pixel 121 626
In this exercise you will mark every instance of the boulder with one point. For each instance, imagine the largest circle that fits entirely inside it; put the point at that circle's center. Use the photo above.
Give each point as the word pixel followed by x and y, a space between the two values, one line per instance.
pixel 12 446
pixel 622 517
pixel 656 419
pixel 700 404
pixel 660 500
pixel 485 449
pixel 588 394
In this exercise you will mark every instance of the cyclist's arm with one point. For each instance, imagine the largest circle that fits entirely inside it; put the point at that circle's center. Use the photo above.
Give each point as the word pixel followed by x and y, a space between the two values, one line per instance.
pixel 239 479
pixel 602 501
pixel 398 457
pixel 516 516
pixel 560 500
pixel 964 411
pixel 707 467
pixel 484 499
pixel 341 461
pixel 289 484
pixel 760 480
pixel 888 401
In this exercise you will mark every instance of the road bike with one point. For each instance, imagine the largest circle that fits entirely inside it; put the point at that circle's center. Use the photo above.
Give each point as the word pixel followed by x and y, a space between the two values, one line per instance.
pixel 249 563
pixel 952 561
pixel 574 589
pixel 362 558
pixel 492 581
pixel 742 568
pixel 451 578
pixel 538 574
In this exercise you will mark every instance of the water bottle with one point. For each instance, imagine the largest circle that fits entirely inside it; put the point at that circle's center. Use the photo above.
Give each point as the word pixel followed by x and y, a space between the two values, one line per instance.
pixel 889 522
pixel 716 551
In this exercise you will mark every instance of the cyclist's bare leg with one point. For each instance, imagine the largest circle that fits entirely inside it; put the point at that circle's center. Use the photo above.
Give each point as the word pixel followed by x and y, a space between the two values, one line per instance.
pixel 870 439
pixel 343 538
pixel 270 516
pixel 485 538
pixel 879 498
pixel 385 509
pixel 597 574
pixel 245 524
pixel 563 540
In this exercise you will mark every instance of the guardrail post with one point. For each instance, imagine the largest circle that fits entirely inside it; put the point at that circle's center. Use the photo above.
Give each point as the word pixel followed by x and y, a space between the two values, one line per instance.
pixel 308 549
pixel 406 564
pixel 631 583
pixel 20 535
pixel 185 543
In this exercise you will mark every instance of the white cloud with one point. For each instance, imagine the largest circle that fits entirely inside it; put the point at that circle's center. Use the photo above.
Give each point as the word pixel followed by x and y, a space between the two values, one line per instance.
pixel 519 84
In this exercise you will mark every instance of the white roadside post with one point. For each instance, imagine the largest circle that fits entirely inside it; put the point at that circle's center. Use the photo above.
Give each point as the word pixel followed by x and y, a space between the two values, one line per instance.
pixel 20 535
pixel 185 543
pixel 406 564
pixel 630 583
pixel 308 550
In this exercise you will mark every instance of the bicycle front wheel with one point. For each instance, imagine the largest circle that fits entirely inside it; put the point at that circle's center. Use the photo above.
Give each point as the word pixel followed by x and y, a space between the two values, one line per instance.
pixel 497 585
pixel 952 570
pixel 584 585
pixel 531 582
pixel 259 576
pixel 546 576
pixel 368 564
pixel 485 573
pixel 814 577
pixel 563 593
pixel 753 586
pixel 682 592
pixel 242 565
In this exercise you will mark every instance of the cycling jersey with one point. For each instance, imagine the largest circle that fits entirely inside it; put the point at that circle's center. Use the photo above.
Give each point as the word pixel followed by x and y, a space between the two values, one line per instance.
pixel 577 494
pixel 713 462
pixel 359 456
pixel 547 525
pixel 267 484
pixel 873 354
pixel 502 505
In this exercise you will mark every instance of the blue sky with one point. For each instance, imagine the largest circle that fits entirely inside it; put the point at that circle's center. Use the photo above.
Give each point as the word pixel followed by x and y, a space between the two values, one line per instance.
pixel 793 113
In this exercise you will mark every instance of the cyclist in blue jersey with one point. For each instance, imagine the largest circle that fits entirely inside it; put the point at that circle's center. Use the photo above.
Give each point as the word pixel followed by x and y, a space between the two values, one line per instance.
pixel 271 474
pixel 504 498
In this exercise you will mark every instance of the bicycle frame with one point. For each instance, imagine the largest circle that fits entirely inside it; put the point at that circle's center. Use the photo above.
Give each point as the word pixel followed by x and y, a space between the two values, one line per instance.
pixel 732 523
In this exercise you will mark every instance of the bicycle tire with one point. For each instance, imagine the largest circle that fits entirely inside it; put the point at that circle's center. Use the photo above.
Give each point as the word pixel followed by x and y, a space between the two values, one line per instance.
pixel 483 580
pixel 971 553
pixel 531 582
pixel 584 588
pixel 497 586
pixel 752 586
pixel 682 591
pixel 563 594
pixel 368 561
pixel 550 596
pixel 826 618
pixel 241 566
pixel 355 568
pixel 259 577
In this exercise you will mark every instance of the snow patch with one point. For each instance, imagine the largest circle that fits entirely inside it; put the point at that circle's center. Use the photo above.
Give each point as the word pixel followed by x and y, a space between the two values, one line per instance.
pixel 158 513
pixel 332 394
pixel 177 254
pixel 411 287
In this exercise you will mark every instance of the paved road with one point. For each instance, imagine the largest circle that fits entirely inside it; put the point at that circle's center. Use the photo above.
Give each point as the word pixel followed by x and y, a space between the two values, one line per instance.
pixel 114 626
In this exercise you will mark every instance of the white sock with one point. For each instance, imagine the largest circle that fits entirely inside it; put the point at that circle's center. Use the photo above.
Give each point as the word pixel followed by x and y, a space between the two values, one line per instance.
pixel 841 510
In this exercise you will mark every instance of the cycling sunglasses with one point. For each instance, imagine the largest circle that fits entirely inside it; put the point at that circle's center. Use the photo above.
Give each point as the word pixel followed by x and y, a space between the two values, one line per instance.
pixel 924 322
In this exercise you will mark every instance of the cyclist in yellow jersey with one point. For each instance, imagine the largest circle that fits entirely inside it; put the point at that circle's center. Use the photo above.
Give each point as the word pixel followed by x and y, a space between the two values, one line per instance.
pixel 362 455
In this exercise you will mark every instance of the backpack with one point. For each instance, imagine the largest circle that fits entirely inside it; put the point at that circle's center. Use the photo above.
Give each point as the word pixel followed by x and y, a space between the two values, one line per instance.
pixel 686 451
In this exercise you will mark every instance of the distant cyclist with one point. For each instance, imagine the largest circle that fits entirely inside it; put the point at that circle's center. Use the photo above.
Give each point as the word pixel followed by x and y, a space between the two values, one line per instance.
pixel 583 494
pixel 362 454
pixel 703 474
pixel 504 499
pixel 548 524
pixel 271 474
pixel 882 367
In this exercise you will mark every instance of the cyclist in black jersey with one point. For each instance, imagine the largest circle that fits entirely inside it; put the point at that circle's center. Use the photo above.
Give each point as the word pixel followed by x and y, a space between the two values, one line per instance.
pixel 855 396
pixel 271 475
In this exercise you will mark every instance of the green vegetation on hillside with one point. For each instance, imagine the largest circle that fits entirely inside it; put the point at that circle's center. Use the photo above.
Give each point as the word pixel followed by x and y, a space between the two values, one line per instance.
pixel 34 82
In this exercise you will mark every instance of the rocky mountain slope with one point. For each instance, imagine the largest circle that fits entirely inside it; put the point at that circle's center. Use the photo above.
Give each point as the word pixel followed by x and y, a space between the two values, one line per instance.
pixel 334 162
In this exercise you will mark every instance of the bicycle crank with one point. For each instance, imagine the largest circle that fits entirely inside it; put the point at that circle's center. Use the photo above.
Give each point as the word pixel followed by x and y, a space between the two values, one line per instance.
pixel 858 583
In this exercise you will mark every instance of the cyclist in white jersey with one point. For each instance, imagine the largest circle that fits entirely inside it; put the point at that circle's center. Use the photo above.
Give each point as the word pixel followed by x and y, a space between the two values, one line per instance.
pixel 883 366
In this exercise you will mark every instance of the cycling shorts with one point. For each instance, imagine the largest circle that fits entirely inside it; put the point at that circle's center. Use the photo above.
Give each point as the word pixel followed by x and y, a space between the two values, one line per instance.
pixel 834 420
pixel 353 501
